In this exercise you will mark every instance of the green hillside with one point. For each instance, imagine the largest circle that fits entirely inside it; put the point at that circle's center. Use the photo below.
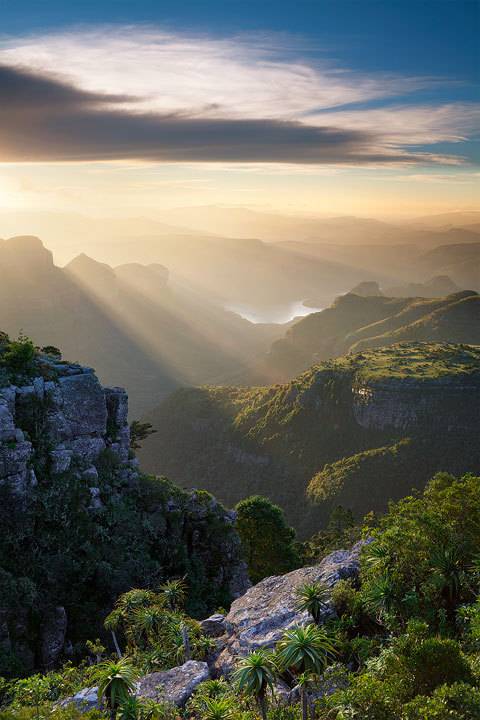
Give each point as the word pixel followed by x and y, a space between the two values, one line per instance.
pixel 274 440
pixel 355 322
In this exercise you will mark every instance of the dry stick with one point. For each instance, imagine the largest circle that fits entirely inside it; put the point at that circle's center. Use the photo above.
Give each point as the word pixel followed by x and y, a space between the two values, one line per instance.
pixel 117 646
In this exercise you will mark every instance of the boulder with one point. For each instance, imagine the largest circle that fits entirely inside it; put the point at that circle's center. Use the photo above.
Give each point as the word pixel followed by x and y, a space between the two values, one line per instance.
pixel 173 686
pixel 214 626
pixel 260 617
pixel 85 700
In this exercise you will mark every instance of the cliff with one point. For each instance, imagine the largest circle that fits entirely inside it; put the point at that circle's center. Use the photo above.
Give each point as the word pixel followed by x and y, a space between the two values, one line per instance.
pixel 357 409
pixel 80 522
pixel 62 420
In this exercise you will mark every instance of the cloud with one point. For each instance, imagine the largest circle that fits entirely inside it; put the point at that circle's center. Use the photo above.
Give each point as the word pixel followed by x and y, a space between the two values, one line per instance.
pixel 245 76
pixel 44 119
pixel 142 94
pixel 411 125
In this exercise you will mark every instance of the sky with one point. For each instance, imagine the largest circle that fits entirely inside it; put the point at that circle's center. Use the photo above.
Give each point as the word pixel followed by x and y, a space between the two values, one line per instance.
pixel 367 107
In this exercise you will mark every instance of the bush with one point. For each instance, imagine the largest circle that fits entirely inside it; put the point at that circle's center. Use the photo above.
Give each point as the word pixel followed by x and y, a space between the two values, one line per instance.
pixel 366 697
pixel 435 662
pixel 18 356
pixel 346 600
pixel 421 563
pixel 455 702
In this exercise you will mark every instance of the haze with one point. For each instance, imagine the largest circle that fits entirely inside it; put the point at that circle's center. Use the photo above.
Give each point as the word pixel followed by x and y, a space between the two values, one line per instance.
pixel 182 186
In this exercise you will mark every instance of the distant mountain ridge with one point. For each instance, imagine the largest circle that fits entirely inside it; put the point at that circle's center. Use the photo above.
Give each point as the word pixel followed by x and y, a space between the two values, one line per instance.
pixel 138 329
pixel 355 322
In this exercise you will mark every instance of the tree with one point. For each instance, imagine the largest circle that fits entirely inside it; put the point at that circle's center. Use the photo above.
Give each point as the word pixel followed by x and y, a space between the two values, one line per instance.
pixel 312 598
pixel 255 674
pixel 267 540
pixel 305 651
pixel 139 431
pixel 116 682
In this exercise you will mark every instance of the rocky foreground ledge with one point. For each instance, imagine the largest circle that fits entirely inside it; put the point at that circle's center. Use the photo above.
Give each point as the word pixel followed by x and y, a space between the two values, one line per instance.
pixel 256 619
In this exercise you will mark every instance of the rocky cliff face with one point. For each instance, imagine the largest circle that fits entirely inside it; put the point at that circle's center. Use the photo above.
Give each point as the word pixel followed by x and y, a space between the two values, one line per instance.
pixel 81 524
pixel 62 420
pixel 446 403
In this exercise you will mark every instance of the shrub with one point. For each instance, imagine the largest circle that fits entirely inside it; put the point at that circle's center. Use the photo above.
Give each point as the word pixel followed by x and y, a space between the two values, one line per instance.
pixel 454 702
pixel 346 600
pixel 18 356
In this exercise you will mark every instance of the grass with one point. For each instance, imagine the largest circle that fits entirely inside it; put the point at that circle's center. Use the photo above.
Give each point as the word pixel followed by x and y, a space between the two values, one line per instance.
pixel 417 361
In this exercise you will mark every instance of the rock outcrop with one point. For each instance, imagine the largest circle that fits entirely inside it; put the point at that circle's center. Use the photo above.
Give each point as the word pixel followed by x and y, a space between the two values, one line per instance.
pixel 407 404
pixel 257 619
pixel 63 420
pixel 173 686
pixel 85 700
pixel 260 617
pixel 68 476
pixel 214 626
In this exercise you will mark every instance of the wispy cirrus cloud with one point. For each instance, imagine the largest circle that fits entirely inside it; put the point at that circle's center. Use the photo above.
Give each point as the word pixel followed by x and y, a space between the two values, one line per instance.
pixel 248 77
pixel 144 94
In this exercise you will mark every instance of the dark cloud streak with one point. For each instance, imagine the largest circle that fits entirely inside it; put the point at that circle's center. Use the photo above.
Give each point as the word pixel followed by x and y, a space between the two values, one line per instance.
pixel 45 119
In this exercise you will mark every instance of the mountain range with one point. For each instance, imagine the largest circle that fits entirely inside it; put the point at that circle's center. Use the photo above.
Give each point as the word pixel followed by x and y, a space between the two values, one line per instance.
pixel 356 322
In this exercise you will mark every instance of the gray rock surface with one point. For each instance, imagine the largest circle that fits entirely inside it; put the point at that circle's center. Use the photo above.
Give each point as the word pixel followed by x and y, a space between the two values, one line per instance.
pixel 73 413
pixel 174 686
pixel 260 617
pixel 213 626
pixel 52 636
pixel 85 700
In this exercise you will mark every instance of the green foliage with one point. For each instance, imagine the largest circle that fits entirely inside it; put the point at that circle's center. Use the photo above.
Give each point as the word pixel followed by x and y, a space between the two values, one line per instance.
pixel 53 351
pixel 345 599
pixel 305 650
pixel 55 551
pixel 38 689
pixel 222 708
pixel 255 673
pixel 313 598
pixel 366 697
pixel 47 712
pixel 116 681
pixel 17 356
pixel 421 561
pixel 155 631
pixel 354 473
pixel 267 540
pixel 175 593
pixel 139 431
pixel 455 702
pixel 340 532
pixel 274 440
